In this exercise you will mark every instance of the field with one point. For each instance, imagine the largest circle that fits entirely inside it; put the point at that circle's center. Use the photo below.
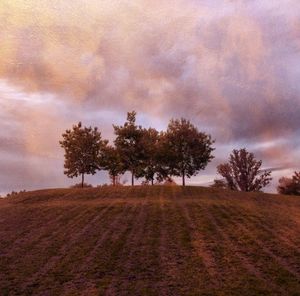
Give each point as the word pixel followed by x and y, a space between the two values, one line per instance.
pixel 149 241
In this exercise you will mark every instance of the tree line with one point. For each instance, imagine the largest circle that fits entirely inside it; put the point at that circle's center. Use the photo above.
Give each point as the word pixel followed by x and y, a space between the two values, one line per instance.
pixel 182 151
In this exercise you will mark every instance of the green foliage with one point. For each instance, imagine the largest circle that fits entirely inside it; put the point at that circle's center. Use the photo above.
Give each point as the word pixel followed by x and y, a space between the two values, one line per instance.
pixel 150 165
pixel 112 162
pixel 83 151
pixel 181 151
pixel 289 186
pixel 128 142
pixel 242 172
pixel 185 151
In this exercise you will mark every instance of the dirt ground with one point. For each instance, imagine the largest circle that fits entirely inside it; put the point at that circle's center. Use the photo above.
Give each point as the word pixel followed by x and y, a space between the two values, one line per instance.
pixel 149 241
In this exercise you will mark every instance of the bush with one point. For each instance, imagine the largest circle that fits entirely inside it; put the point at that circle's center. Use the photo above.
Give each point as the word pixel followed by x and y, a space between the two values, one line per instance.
pixel 169 182
pixel 219 184
pixel 15 193
pixel 289 186
pixel 79 185
pixel 110 185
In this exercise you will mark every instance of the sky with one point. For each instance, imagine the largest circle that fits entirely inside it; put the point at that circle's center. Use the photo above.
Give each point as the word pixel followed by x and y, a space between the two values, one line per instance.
pixel 232 67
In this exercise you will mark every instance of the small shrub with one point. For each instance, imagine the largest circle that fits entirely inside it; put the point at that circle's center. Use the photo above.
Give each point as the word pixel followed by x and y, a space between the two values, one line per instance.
pixel 219 184
pixel 289 186
pixel 169 182
pixel 103 185
pixel 145 183
pixel 79 185
pixel 15 193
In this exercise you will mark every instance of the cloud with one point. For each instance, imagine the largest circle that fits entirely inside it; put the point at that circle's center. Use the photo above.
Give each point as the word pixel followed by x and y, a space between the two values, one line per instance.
pixel 232 67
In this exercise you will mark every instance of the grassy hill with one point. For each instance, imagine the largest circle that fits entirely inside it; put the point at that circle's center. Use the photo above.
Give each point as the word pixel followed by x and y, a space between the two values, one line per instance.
pixel 149 241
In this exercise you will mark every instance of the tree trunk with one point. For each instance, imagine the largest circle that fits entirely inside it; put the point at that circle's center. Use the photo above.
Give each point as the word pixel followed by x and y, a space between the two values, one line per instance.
pixel 183 178
pixel 132 179
pixel 82 180
pixel 152 181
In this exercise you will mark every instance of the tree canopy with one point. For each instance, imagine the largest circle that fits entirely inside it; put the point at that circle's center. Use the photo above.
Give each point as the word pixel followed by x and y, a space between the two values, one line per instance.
pixel 243 172
pixel 182 150
pixel 186 150
pixel 112 163
pixel 129 144
pixel 289 186
pixel 150 167
pixel 83 151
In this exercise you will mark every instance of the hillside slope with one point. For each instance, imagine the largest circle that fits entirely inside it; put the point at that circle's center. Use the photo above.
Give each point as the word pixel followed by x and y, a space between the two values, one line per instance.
pixel 149 241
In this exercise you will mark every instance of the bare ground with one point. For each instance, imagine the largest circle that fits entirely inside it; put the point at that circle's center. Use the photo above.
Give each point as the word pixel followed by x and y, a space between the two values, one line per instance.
pixel 149 241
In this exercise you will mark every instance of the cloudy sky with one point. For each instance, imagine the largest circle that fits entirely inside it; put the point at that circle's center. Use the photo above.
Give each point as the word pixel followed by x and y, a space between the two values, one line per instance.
pixel 232 67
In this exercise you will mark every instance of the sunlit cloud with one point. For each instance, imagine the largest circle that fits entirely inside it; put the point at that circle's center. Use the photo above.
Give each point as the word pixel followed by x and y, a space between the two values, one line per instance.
pixel 232 67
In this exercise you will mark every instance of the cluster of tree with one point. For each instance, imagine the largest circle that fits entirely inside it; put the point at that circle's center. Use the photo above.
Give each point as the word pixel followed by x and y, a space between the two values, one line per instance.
pixel 182 150
pixel 15 193
pixel 289 186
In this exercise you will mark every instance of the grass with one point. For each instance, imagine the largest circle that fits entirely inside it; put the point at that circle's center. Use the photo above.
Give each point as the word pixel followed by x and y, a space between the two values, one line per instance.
pixel 149 241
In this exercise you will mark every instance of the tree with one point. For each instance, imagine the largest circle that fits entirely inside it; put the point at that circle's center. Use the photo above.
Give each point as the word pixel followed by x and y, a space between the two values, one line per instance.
pixel 115 180
pixel 242 172
pixel 225 170
pixel 83 151
pixel 150 165
pixel 112 163
pixel 296 178
pixel 186 150
pixel 129 144
pixel 289 186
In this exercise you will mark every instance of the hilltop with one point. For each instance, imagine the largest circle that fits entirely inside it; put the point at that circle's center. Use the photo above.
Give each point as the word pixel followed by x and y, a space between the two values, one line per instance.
pixel 149 241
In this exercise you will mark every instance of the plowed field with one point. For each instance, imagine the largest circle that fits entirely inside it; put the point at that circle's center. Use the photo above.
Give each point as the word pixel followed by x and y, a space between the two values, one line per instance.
pixel 149 241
